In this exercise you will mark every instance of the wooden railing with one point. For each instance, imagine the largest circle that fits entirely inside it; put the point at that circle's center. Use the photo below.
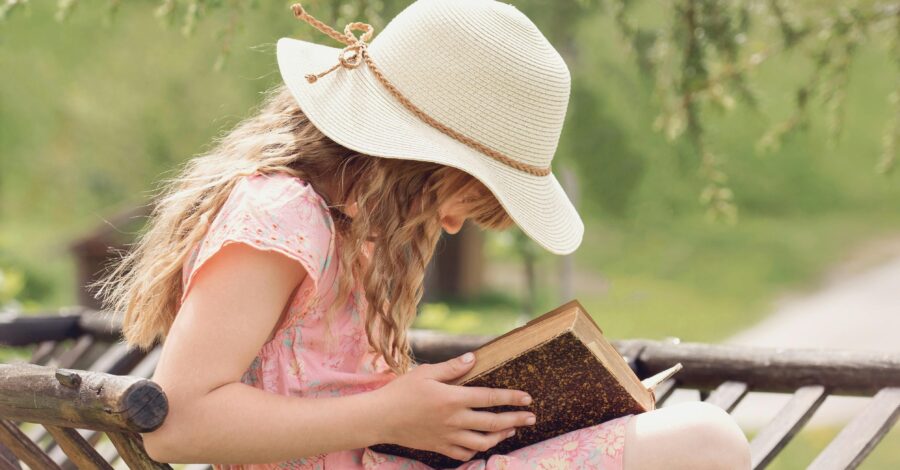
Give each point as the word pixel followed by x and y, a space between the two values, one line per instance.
pixel 82 383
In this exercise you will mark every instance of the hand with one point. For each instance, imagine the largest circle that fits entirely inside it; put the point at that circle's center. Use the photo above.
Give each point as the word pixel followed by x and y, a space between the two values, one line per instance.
pixel 423 412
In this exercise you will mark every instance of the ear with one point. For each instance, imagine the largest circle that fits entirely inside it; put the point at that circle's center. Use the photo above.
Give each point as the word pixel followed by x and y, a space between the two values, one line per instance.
pixel 452 224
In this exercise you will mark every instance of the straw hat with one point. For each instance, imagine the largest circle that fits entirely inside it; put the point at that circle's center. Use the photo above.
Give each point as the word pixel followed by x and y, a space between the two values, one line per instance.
pixel 471 84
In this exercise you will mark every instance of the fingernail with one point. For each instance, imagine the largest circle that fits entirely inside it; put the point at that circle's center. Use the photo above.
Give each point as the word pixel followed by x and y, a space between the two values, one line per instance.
pixel 510 433
pixel 530 420
pixel 467 357
pixel 526 400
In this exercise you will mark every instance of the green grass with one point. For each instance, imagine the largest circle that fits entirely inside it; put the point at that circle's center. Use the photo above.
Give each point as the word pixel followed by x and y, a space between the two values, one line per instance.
pixel 691 279
pixel 801 451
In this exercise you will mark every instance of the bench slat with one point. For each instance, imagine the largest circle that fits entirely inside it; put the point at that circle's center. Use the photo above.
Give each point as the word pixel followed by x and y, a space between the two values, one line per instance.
pixel 68 358
pixel 56 453
pixel 79 451
pixel 728 395
pixel 789 420
pixel 22 330
pixel 853 444
pixel 100 357
pixel 119 360
pixel 147 366
pixel 110 359
pixel 773 370
pixel 131 449
pixel 7 462
pixel 144 369
pixel 26 450
pixel 42 352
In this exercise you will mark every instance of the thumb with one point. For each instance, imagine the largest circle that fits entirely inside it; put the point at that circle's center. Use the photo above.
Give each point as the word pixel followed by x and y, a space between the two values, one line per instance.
pixel 449 370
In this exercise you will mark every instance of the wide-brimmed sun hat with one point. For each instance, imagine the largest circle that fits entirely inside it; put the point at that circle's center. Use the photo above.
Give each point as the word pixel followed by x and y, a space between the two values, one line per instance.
pixel 471 84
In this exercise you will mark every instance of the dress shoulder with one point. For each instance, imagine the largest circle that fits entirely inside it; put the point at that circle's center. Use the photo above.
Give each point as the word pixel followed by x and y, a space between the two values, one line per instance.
pixel 276 212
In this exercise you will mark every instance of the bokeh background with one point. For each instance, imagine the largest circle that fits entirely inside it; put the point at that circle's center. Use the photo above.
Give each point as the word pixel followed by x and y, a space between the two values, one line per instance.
pixel 732 160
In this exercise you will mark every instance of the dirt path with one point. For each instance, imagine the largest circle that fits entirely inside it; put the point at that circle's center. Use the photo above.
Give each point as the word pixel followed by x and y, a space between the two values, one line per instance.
pixel 858 307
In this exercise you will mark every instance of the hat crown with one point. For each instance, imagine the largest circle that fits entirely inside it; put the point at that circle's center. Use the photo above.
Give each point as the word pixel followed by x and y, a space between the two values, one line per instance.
pixel 482 68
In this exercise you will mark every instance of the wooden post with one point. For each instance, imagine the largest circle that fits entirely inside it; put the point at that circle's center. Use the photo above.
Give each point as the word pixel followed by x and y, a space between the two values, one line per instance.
pixel 456 271
pixel 100 401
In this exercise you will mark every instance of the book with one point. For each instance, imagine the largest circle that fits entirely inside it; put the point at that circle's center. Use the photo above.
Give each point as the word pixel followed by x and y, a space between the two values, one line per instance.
pixel 575 377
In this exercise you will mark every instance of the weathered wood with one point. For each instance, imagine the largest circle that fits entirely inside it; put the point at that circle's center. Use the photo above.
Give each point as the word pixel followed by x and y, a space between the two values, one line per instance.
pixel 62 459
pixel 131 448
pixel 58 350
pixel 81 345
pixel 854 443
pixel 17 329
pixel 68 378
pixel 15 440
pixel 789 420
pixel 103 357
pixel 106 448
pixel 92 356
pixel 103 402
pixel 775 370
pixel 728 395
pixel 8 460
pixel 119 359
pixel 78 450
pixel 144 369
pixel 42 352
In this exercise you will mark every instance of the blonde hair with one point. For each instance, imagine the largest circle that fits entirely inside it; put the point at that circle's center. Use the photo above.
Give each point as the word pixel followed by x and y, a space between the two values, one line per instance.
pixel 397 203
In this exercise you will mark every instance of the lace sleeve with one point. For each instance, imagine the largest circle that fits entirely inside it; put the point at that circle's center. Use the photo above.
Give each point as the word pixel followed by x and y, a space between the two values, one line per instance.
pixel 276 212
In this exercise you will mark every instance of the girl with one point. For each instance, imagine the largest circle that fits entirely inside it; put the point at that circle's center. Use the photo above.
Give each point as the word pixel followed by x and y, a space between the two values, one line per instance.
pixel 283 267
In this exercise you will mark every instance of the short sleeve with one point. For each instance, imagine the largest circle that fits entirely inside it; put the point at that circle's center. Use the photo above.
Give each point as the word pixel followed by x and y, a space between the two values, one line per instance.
pixel 276 212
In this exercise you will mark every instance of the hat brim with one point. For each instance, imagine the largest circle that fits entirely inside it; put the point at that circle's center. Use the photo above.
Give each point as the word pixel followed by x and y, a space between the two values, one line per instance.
pixel 351 107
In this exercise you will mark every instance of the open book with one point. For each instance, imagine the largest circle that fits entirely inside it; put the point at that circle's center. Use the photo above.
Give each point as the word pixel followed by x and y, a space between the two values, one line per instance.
pixel 574 375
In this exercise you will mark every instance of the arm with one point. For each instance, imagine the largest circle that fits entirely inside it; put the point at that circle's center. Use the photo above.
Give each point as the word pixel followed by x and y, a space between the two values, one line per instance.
pixel 213 417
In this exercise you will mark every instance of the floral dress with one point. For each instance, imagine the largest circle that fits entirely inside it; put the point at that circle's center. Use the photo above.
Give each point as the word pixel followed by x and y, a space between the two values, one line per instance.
pixel 282 213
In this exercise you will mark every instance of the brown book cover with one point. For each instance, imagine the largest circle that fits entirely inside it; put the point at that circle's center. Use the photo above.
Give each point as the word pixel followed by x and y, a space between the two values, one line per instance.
pixel 574 375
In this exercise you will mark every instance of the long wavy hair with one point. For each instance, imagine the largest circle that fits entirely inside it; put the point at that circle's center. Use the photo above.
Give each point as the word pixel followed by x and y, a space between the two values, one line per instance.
pixel 397 210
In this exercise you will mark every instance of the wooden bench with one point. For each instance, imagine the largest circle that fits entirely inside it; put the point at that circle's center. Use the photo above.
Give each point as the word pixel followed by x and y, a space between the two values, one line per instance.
pixel 90 397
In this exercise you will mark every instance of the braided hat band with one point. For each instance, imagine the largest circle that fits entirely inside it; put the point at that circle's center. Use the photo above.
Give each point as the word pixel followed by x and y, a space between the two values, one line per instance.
pixel 356 51
pixel 469 84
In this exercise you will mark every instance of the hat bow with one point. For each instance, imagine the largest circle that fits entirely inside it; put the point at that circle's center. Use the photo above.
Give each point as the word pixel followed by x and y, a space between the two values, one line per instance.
pixel 351 55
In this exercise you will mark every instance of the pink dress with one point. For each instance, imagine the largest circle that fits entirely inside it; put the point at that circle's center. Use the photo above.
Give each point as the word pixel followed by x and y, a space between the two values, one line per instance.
pixel 284 214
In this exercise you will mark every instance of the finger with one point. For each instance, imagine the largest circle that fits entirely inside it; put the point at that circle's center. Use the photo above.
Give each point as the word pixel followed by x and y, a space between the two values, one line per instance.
pixel 458 452
pixel 492 422
pixel 483 397
pixel 449 370
pixel 480 441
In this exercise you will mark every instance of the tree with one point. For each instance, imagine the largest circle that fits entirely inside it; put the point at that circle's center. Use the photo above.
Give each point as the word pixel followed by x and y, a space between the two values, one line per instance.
pixel 696 60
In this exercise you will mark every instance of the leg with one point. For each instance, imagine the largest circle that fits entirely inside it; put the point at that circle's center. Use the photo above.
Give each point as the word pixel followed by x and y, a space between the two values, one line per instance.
pixel 691 435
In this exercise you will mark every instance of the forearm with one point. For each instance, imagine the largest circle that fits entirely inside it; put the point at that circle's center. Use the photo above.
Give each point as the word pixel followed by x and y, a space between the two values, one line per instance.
pixel 237 423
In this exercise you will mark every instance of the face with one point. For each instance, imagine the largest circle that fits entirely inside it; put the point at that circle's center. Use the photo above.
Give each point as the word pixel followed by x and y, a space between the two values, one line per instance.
pixel 453 213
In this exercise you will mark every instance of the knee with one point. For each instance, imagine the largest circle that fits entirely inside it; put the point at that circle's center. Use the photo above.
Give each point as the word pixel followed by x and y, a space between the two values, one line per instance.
pixel 716 439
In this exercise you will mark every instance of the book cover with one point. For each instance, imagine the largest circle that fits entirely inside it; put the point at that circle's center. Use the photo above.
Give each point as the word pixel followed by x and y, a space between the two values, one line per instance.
pixel 575 377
